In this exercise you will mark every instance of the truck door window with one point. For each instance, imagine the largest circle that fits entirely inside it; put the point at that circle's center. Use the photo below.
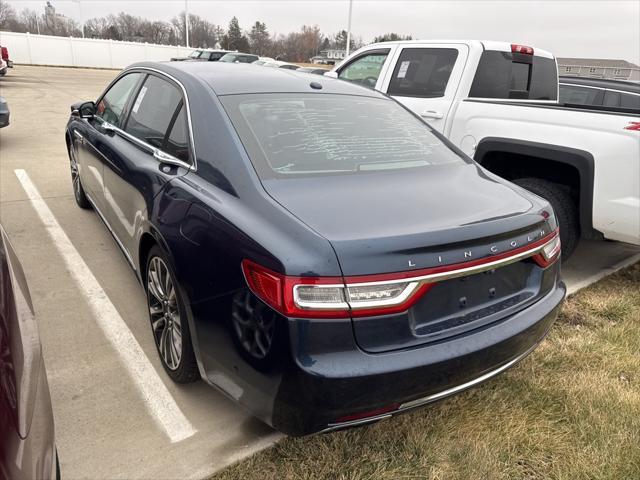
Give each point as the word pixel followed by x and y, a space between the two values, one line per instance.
pixel 422 72
pixel 365 69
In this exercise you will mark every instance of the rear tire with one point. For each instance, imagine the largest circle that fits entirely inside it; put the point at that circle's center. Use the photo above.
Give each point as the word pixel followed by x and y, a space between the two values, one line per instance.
pixel 168 316
pixel 563 206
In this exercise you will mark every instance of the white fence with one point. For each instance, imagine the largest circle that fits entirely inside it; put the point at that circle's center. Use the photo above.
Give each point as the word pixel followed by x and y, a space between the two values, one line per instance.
pixel 83 52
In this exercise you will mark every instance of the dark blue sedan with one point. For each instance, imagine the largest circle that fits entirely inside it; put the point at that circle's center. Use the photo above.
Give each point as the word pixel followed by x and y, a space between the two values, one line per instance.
pixel 309 246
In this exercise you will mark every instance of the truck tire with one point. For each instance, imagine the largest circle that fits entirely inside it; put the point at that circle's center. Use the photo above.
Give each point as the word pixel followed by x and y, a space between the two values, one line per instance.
pixel 563 206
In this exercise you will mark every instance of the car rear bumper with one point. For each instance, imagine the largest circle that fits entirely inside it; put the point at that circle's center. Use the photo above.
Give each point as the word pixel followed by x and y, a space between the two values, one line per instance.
pixel 319 389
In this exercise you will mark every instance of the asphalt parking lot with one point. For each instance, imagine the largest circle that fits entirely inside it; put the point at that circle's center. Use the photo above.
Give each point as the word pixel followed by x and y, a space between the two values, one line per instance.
pixel 105 425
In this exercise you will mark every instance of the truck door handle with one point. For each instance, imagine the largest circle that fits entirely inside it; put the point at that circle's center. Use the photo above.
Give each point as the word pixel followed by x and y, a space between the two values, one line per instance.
pixel 431 114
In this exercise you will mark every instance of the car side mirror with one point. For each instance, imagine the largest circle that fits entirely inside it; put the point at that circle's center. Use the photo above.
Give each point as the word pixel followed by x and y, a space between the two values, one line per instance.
pixel 83 109
pixel 331 74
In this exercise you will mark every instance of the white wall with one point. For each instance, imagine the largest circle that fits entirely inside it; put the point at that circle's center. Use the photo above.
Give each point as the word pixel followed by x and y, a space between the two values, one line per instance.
pixel 79 52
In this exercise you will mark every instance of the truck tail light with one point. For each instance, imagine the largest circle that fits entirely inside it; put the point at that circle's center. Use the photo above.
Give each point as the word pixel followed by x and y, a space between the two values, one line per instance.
pixel 372 295
pixel 515 48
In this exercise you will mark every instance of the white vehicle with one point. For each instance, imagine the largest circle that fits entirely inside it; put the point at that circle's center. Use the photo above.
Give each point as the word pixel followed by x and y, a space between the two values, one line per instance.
pixel 498 103
pixel 279 64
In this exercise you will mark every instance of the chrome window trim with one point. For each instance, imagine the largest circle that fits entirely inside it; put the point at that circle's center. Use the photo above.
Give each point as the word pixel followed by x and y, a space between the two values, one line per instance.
pixel 156 151
pixel 158 154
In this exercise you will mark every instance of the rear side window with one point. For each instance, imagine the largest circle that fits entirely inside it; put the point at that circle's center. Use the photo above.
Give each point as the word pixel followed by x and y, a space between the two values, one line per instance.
pixel 422 72
pixel 509 75
pixel 177 143
pixel 576 95
pixel 365 69
pixel 153 111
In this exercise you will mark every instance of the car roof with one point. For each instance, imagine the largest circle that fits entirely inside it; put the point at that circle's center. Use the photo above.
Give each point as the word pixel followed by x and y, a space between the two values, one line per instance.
pixel 621 85
pixel 241 78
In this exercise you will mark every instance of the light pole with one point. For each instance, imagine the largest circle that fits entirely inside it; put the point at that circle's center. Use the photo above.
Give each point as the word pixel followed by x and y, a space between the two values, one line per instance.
pixel 81 20
pixel 349 28
pixel 186 22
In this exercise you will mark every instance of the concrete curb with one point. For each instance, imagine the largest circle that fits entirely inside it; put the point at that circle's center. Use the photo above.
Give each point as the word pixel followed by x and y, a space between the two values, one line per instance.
pixel 602 274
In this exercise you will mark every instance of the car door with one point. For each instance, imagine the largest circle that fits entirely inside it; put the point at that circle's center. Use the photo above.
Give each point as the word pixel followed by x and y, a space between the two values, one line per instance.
pixel 365 69
pixel 152 148
pixel 425 78
pixel 92 143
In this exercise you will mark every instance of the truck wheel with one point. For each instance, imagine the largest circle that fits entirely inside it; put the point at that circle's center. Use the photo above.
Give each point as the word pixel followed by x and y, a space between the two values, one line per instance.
pixel 563 206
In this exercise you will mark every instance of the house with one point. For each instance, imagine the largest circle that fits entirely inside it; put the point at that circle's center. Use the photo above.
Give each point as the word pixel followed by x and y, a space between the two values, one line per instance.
pixel 599 68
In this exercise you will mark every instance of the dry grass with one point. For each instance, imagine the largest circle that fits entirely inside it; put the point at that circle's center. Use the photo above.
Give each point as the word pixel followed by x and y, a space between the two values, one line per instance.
pixel 569 411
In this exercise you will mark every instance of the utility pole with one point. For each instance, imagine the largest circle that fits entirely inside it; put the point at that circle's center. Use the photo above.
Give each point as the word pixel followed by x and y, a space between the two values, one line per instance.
pixel 349 28
pixel 81 20
pixel 186 22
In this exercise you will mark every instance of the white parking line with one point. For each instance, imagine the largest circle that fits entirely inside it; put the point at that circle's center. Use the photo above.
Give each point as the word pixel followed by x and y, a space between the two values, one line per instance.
pixel 159 401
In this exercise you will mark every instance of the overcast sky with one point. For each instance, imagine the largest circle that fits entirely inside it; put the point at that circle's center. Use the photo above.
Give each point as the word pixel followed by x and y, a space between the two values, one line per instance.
pixel 568 28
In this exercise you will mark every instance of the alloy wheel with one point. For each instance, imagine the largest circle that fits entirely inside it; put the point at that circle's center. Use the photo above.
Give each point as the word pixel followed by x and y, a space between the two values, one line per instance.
pixel 164 312
pixel 75 177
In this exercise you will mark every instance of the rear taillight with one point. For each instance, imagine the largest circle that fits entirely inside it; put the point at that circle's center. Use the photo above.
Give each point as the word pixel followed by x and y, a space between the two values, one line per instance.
pixel 372 295
pixel 5 53
pixel 521 49
pixel 633 126
pixel 549 252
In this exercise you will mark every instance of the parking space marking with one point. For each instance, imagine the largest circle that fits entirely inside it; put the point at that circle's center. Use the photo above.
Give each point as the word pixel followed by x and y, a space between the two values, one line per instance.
pixel 159 401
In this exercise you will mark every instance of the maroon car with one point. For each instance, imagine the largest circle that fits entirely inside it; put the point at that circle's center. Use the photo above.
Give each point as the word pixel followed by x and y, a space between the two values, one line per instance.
pixel 27 444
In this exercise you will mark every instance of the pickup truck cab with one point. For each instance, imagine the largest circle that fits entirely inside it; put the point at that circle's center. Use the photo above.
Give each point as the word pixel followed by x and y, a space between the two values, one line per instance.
pixel 498 103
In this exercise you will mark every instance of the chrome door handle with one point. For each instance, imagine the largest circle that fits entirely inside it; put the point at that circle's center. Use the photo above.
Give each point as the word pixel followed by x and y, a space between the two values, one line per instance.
pixel 431 114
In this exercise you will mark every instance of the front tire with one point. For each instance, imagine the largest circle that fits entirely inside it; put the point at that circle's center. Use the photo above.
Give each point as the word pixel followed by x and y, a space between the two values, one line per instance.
pixel 168 317
pixel 78 191
pixel 563 206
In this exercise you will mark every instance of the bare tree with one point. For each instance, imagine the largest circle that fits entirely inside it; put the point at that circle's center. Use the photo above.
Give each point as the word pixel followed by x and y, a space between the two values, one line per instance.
pixel 7 15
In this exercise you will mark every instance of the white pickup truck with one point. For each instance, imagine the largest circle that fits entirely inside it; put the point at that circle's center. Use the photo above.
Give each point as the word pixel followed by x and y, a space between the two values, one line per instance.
pixel 498 103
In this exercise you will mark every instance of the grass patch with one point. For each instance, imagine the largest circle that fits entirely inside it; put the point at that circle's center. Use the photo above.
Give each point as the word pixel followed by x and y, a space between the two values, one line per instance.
pixel 571 410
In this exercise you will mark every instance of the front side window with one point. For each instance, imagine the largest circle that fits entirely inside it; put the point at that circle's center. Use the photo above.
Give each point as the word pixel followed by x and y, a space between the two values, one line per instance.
pixel 366 69
pixel 422 72
pixel 293 135
pixel 195 54
pixel 153 111
pixel 113 102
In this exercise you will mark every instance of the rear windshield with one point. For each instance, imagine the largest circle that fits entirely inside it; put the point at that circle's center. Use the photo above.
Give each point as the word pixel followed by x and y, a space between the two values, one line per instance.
pixel 290 135
pixel 515 76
